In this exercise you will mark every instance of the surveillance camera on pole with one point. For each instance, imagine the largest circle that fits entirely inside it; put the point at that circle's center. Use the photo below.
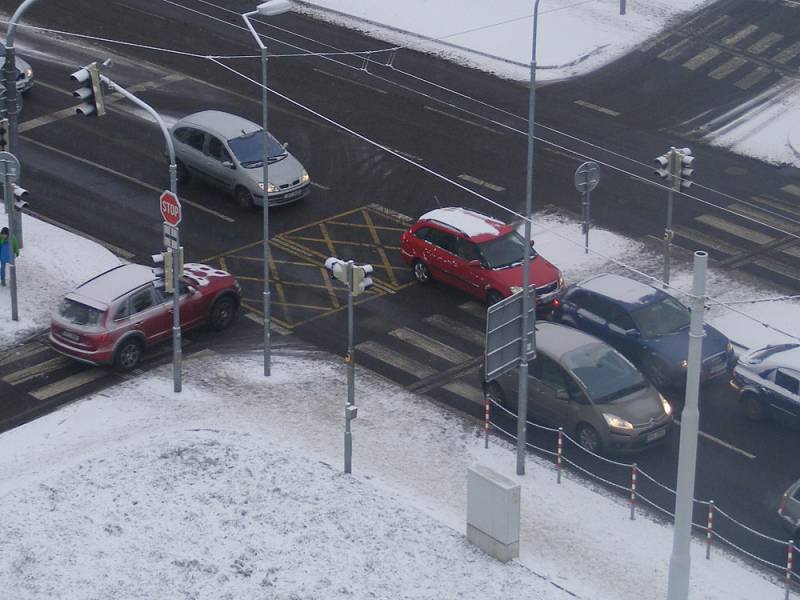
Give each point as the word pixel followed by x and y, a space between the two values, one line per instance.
pixel 91 91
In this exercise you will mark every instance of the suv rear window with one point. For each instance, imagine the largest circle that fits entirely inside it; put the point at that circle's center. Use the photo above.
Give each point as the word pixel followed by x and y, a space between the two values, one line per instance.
pixel 79 314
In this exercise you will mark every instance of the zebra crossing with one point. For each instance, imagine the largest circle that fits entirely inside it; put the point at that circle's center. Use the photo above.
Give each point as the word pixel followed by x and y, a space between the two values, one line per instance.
pixel 443 352
pixel 726 50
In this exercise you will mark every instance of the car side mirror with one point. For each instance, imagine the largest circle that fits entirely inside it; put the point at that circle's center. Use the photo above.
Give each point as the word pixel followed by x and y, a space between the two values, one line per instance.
pixel 562 394
pixel 228 164
pixel 474 264
pixel 285 145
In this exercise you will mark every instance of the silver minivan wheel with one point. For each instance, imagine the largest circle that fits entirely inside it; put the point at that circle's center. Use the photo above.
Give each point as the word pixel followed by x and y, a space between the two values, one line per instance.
pixel 244 198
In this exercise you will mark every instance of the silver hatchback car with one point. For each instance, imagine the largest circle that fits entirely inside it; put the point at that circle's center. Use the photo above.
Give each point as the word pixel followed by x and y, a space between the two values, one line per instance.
pixel 582 384
pixel 227 151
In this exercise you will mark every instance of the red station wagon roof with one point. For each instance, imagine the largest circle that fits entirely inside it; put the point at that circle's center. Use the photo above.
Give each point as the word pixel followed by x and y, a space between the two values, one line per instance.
pixel 479 228
pixel 112 284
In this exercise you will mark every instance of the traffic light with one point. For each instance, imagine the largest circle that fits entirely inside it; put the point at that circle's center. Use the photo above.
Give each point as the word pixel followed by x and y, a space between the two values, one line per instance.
pixel 164 272
pixel 90 92
pixel 361 280
pixel 3 135
pixel 664 165
pixel 683 170
pixel 338 269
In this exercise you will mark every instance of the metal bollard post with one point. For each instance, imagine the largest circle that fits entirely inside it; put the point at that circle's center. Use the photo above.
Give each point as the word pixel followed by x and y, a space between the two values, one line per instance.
pixel 709 528
pixel 788 581
pixel 633 491
pixel 486 420
pixel 559 453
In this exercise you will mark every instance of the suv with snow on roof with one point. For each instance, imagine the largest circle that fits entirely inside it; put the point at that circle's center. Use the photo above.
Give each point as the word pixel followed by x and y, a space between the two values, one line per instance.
pixel 114 316
pixel 477 254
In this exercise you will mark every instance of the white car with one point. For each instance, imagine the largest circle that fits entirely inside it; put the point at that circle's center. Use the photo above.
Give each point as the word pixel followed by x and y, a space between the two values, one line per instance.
pixel 24 74
pixel 227 151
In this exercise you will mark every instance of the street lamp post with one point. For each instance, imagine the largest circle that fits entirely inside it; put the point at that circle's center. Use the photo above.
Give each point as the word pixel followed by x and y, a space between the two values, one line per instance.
pixel 267 9
pixel 10 75
pixel 522 401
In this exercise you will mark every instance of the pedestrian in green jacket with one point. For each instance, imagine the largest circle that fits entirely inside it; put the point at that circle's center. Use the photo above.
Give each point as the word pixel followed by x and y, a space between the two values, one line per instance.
pixel 6 247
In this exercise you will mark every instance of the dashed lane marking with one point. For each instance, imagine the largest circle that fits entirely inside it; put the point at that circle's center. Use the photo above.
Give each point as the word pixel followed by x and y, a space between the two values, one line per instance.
pixel 481 182
pixel 722 443
pixel 350 81
pixel 68 383
pixel 601 109
pixel 128 178
pixel 395 359
pixel 467 121
pixel 430 345
pixel 457 329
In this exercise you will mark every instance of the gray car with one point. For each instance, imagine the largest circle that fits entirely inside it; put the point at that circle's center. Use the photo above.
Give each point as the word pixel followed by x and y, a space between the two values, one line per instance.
pixel 789 510
pixel 582 384
pixel 24 74
pixel 227 151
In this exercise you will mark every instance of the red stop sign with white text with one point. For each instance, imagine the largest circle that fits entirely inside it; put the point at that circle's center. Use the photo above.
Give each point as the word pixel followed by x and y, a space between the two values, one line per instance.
pixel 170 208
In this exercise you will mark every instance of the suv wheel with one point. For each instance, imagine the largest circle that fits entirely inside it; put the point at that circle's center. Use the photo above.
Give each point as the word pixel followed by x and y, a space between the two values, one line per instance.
pixel 421 272
pixel 128 355
pixel 223 312
pixel 244 198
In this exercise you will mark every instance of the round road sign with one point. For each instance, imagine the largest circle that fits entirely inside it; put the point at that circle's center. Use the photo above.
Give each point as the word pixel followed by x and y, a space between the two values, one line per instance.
pixel 170 208
pixel 587 177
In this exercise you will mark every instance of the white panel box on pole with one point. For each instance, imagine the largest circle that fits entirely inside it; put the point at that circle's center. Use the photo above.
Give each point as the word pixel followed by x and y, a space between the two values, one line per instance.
pixel 493 507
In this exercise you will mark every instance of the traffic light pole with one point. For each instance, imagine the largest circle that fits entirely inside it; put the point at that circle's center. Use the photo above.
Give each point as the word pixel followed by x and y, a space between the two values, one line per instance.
pixel 177 353
pixel 668 233
pixel 8 197
pixel 351 373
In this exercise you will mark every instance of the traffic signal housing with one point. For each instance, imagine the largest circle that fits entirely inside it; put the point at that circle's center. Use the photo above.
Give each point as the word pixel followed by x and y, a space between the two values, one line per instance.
pixel 91 91
pixel 664 165
pixel 361 279
pixel 683 170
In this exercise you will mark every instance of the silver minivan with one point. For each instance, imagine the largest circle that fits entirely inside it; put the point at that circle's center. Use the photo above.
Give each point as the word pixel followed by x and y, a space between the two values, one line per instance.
pixel 227 151
pixel 582 384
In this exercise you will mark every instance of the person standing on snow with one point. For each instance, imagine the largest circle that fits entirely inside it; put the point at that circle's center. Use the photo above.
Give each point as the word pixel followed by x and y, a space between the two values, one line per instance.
pixel 6 246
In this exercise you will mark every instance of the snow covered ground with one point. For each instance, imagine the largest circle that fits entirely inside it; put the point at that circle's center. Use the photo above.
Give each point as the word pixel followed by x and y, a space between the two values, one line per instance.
pixel 234 489
pixel 573 37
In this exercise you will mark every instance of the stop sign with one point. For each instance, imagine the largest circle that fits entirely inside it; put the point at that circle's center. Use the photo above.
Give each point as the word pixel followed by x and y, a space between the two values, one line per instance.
pixel 170 208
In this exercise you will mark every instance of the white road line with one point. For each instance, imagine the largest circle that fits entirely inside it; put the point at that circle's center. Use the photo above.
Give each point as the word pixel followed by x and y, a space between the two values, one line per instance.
pixel 722 71
pixel 724 19
pixel 792 189
pixel 467 121
pixel 395 359
pixel 737 37
pixel 457 329
pixel 128 178
pixel 473 308
pixel 481 182
pixel 25 351
pixel 753 78
pixel 320 186
pixel 69 383
pixel 273 326
pixel 430 345
pixel 787 54
pixel 28 373
pixel 350 81
pixel 675 50
pixel 654 42
pixel 765 42
pixel 413 157
pixel 698 60
pixel 467 391
pixel 734 229
pixel 601 109
pixel 716 440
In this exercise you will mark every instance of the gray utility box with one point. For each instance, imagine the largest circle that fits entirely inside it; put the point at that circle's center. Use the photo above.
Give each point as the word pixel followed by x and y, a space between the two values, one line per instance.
pixel 493 513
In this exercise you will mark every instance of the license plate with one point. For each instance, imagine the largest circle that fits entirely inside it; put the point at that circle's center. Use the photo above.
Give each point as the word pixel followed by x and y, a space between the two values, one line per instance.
pixel 293 194
pixel 655 435
pixel 71 336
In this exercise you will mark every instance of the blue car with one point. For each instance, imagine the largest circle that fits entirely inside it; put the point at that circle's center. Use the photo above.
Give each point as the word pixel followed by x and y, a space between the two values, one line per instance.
pixel 768 382
pixel 646 324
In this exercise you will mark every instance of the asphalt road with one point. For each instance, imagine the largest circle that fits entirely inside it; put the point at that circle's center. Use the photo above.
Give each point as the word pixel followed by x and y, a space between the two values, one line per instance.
pixel 356 132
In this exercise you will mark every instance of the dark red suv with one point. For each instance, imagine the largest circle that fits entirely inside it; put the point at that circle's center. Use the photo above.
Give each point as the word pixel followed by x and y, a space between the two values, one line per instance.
pixel 478 255
pixel 113 317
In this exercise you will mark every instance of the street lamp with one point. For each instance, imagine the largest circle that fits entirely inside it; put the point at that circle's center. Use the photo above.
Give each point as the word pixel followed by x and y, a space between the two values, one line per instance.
pixel 522 400
pixel 266 9
pixel 10 75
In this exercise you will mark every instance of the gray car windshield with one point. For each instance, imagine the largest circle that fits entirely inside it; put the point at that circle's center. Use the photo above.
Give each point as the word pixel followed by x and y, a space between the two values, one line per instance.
pixel 505 251
pixel 249 149
pixel 661 318
pixel 79 314
pixel 604 373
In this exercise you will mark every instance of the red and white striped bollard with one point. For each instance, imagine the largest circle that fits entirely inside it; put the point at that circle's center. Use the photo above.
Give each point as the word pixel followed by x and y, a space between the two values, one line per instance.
pixel 709 528
pixel 633 491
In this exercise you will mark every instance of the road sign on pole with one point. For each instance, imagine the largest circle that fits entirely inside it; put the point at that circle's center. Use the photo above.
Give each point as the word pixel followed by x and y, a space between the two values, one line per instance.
pixel 503 332
pixel 170 237
pixel 587 176
pixel 170 208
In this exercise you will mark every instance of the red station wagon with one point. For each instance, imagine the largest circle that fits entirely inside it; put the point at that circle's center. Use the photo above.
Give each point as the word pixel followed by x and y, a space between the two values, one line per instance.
pixel 478 255
pixel 114 316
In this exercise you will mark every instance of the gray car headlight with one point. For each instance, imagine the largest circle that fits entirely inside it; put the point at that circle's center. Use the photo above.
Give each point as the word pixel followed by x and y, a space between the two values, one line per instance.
pixel 665 405
pixel 616 422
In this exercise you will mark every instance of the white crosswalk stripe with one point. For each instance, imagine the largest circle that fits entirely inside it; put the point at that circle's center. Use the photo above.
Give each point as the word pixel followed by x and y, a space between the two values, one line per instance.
pixel 457 329
pixel 787 54
pixel 737 37
pixel 395 359
pixel 475 309
pixel 465 390
pixel 28 373
pixel 15 354
pixel 753 78
pixel 698 60
pixel 722 71
pixel 68 383
pixel 430 345
pixel 765 42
